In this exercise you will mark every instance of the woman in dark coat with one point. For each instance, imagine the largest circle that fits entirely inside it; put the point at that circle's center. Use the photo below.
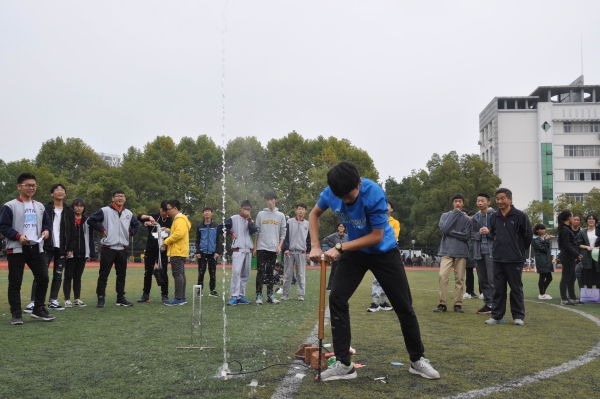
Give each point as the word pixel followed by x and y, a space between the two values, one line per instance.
pixel 569 254
pixel 543 259
pixel 587 240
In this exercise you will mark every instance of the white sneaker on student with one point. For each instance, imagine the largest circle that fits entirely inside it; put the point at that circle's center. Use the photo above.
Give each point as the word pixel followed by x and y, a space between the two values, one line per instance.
pixel 423 368
pixel 466 296
pixel 338 371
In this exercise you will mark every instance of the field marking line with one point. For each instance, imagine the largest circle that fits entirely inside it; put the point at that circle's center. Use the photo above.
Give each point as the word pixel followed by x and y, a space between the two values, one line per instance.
pixel 587 357
pixel 289 385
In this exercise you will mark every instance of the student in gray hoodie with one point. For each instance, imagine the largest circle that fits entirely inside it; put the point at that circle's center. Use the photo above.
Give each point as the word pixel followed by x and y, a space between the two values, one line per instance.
pixel 271 226
pixel 454 250
pixel 482 251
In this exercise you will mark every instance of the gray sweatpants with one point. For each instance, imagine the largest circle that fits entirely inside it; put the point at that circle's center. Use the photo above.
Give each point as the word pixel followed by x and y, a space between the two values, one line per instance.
pixel 377 292
pixel 298 259
pixel 240 273
pixel 485 274
pixel 178 270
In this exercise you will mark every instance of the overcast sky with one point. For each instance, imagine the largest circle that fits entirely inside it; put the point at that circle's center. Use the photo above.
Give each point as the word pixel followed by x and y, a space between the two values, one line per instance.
pixel 401 80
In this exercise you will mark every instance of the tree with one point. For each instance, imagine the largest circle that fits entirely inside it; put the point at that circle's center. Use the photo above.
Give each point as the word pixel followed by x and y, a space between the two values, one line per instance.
pixel 403 197
pixel 562 202
pixel 68 160
pixel 537 210
pixel 445 176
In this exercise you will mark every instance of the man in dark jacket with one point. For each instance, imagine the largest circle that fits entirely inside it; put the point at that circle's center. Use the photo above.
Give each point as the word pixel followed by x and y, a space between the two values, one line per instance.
pixel 207 249
pixel 512 234
pixel 152 252
pixel 59 245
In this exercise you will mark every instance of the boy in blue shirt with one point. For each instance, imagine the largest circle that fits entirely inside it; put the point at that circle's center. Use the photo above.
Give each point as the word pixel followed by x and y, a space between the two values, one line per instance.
pixel 362 206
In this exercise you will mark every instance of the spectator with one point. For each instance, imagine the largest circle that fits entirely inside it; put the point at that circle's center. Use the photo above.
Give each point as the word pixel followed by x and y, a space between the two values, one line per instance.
pixel 295 247
pixel 207 249
pixel 543 259
pixel 331 240
pixel 177 245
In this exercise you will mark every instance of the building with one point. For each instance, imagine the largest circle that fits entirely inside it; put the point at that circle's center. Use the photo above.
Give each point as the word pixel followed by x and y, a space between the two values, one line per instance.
pixel 545 144
pixel 113 160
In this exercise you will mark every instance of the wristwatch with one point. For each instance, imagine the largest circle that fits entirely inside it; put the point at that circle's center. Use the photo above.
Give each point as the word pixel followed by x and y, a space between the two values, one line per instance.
pixel 338 246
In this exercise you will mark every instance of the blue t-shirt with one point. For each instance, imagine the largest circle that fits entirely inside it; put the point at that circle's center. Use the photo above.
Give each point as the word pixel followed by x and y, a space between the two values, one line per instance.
pixel 367 213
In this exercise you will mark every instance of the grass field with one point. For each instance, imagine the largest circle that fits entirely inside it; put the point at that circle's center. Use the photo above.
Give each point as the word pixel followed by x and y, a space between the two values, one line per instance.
pixel 119 352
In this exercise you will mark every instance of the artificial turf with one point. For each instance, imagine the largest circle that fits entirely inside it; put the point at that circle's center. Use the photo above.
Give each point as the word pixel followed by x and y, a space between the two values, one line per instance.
pixel 119 352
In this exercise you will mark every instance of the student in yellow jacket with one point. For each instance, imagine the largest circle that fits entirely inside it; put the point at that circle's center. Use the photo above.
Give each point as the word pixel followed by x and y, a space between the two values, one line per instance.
pixel 178 249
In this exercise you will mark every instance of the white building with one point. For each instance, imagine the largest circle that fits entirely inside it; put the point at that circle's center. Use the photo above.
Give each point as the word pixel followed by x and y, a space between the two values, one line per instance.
pixel 545 144
pixel 112 159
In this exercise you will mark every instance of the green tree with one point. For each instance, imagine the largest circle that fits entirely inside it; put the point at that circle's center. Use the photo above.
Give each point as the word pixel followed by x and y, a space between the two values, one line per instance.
pixel 536 210
pixel 562 202
pixel 403 197
pixel 445 176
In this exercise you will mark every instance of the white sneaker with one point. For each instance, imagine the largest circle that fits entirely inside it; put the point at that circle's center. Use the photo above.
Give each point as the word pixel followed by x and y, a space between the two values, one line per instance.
pixel 546 296
pixel 285 298
pixel 466 296
pixel 300 298
pixel 519 322
pixel 423 368
pixel 279 291
pixel 79 303
pixel 339 372
pixel 68 304
pixel 29 308
pixel 480 296
pixel 540 296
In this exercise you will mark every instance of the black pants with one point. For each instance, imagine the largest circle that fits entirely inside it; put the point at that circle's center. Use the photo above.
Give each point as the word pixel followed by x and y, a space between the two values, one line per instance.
pixel 16 265
pixel 118 257
pixel 567 279
pixel 508 273
pixel 265 262
pixel 73 272
pixel 470 281
pixel 207 259
pixel 57 272
pixel 544 282
pixel 151 259
pixel 331 274
pixel 390 273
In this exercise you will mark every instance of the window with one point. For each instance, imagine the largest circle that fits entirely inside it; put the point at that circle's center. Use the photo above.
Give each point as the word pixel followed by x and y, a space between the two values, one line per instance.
pixel 576 196
pixel 581 127
pixel 582 151
pixel 582 174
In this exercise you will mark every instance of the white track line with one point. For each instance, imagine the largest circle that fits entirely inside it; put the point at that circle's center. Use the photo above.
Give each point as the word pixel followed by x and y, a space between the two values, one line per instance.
pixel 289 386
pixel 541 375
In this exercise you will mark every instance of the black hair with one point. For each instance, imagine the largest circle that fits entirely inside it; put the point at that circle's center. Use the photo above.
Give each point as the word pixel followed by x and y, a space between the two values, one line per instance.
pixel 591 215
pixel 119 191
pixel 391 204
pixel 245 203
pixel 163 204
pixel 505 191
pixel 270 195
pixel 301 205
pixel 564 215
pixel 577 216
pixel 175 204
pixel 207 208
pixel 458 196
pixel 485 195
pixel 343 178
pixel 537 227
pixel 57 185
pixel 78 201
pixel 25 176
pixel 471 213
pixel 338 225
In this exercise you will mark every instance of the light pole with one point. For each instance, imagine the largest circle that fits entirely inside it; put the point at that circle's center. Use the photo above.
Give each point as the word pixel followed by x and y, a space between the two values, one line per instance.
pixel 413 248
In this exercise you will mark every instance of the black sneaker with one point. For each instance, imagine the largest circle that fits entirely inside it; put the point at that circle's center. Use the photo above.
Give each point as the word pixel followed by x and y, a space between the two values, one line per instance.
pixel 576 302
pixel 17 318
pixel 100 303
pixel 144 298
pixel 458 308
pixel 121 301
pixel 42 314
pixel 373 308
pixel 440 308
pixel 165 298
pixel 484 310
pixel 55 306
pixel 214 294
pixel 385 306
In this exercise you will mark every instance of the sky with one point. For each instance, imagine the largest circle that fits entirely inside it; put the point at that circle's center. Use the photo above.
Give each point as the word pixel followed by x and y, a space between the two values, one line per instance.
pixel 401 80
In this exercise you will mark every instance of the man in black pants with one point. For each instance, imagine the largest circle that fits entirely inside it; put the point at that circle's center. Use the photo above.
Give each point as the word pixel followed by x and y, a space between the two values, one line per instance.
pixel 208 250
pixel 116 224
pixel 24 223
pixel 511 230
pixel 152 252
pixel 361 205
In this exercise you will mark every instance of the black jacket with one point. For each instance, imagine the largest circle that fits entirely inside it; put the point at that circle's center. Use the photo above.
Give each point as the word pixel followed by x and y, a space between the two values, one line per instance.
pixel 151 242
pixel 512 236
pixel 67 229
pixel 566 243
pixel 79 249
